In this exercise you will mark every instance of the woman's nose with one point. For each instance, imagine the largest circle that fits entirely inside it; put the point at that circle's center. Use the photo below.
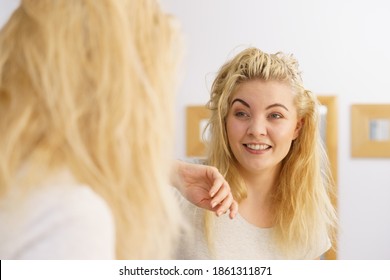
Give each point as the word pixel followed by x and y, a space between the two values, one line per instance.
pixel 258 127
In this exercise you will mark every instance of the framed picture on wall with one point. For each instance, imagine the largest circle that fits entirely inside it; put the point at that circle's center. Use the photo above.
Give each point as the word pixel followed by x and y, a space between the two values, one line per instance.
pixel 197 118
pixel 370 130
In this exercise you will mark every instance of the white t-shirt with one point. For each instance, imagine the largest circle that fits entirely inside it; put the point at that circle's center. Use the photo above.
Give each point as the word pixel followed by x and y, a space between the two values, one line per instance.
pixel 60 219
pixel 234 239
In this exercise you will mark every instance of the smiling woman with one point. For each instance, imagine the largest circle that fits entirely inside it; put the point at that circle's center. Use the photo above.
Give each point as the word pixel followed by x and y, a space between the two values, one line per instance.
pixel 198 134
pixel 264 137
pixel 260 127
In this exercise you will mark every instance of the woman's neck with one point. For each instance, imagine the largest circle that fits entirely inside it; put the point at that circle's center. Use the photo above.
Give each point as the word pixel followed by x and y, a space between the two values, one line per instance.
pixel 256 208
pixel 261 183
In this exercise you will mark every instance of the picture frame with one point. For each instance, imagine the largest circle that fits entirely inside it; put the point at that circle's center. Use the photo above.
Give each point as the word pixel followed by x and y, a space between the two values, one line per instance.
pixel 370 130
pixel 329 121
pixel 196 119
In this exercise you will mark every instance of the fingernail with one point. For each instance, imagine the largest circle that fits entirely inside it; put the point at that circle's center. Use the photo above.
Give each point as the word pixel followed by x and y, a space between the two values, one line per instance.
pixel 213 204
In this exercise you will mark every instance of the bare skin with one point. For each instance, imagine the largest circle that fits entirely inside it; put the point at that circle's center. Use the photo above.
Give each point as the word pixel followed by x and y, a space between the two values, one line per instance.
pixel 205 187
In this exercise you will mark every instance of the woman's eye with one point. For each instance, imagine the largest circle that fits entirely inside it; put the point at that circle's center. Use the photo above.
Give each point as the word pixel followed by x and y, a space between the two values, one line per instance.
pixel 276 116
pixel 241 114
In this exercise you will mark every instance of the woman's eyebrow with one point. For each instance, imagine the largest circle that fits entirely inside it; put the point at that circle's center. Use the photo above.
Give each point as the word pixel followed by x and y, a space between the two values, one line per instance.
pixel 276 105
pixel 241 101
pixel 268 107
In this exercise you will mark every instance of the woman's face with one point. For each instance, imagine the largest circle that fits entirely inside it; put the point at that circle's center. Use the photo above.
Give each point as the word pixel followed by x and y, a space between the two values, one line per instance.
pixel 261 124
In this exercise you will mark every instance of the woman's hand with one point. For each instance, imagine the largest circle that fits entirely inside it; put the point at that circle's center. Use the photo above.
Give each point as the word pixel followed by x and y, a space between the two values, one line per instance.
pixel 205 187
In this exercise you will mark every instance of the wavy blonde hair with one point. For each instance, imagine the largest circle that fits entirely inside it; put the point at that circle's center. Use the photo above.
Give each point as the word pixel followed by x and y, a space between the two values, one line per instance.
pixel 87 85
pixel 302 199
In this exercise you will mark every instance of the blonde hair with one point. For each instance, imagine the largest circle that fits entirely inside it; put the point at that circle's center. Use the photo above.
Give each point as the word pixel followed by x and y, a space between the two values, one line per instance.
pixel 87 85
pixel 302 204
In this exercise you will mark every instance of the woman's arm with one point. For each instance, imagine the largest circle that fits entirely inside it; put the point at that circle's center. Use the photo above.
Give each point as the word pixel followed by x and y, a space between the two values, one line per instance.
pixel 204 186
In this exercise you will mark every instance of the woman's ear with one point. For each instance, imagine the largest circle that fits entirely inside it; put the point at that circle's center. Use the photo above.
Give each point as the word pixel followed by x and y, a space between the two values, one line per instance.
pixel 300 124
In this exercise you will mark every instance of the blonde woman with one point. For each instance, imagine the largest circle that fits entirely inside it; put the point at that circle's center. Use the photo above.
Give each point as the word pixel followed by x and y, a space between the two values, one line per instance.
pixel 85 101
pixel 264 137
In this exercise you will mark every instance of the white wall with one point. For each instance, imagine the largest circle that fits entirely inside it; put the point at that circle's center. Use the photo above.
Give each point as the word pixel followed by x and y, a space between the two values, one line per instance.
pixel 6 8
pixel 344 50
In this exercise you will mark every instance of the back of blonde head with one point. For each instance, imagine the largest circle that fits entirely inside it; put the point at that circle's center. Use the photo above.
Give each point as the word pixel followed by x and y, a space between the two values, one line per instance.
pixel 87 85
pixel 302 205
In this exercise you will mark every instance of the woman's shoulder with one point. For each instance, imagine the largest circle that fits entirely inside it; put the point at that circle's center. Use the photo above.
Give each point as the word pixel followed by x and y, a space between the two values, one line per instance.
pixel 59 219
pixel 68 197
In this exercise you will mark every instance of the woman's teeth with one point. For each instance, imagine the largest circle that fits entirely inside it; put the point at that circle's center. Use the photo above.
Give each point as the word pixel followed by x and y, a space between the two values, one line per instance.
pixel 257 147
